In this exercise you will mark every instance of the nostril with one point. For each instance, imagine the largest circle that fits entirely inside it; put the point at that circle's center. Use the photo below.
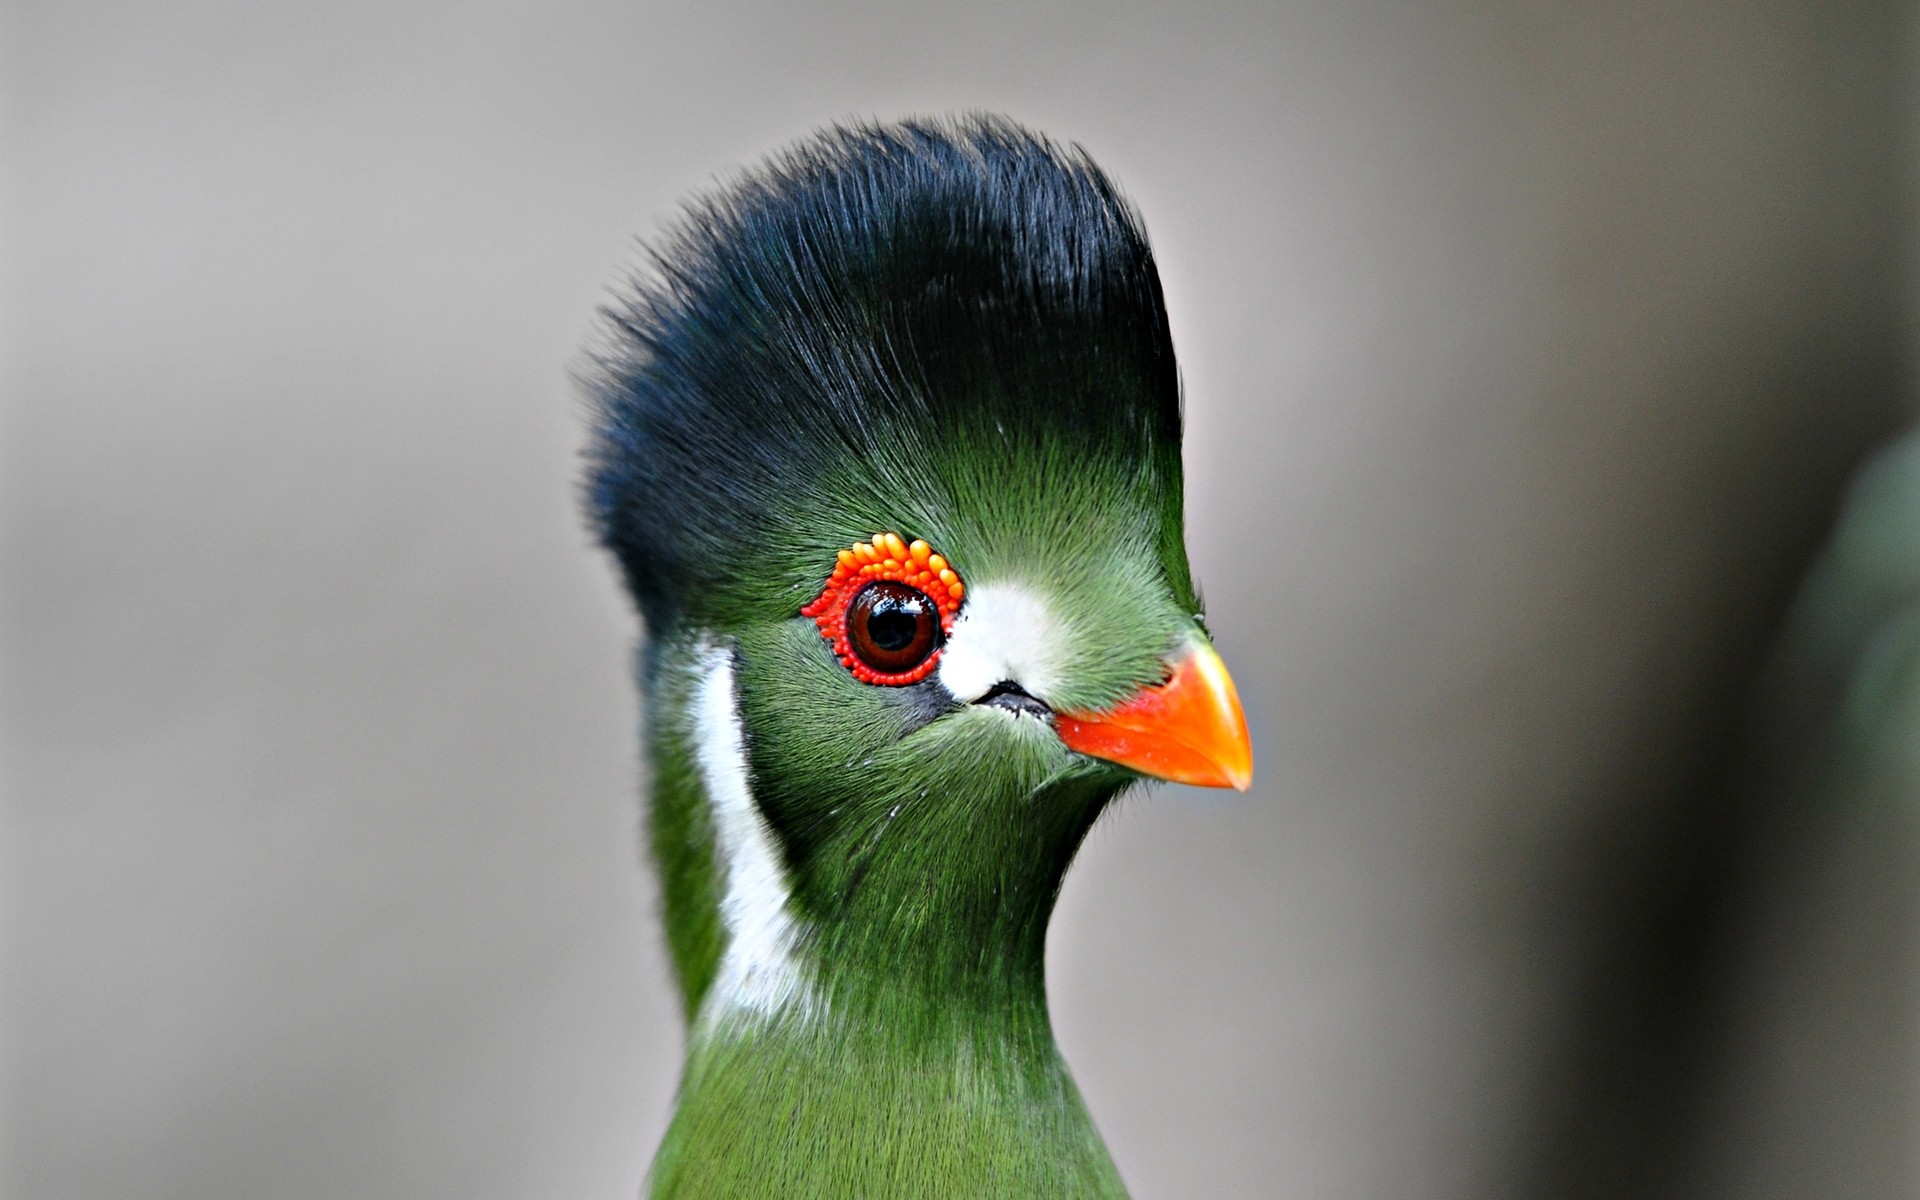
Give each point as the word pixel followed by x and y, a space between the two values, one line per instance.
pixel 1015 699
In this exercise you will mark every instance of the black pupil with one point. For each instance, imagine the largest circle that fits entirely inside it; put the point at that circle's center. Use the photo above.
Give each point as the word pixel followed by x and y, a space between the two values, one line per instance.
pixel 892 626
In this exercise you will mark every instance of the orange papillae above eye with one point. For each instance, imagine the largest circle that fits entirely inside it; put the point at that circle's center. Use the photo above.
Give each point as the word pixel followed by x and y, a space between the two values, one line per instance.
pixel 887 558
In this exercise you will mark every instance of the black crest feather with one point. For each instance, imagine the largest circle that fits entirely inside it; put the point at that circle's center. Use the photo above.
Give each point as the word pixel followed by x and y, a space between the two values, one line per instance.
pixel 876 286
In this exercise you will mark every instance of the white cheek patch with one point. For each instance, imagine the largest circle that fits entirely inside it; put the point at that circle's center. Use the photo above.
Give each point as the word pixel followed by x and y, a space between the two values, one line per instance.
pixel 1005 632
pixel 758 973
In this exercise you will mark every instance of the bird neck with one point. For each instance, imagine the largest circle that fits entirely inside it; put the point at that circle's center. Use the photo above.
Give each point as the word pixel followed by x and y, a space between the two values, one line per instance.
pixel 875 1025
pixel 833 1105
pixel 944 927
pixel 912 1052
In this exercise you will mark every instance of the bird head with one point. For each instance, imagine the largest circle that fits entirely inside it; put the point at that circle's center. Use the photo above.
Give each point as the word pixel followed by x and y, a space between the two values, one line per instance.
pixel 888 449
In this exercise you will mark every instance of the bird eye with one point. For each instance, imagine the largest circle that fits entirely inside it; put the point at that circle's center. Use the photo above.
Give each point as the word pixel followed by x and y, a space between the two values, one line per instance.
pixel 887 607
pixel 892 627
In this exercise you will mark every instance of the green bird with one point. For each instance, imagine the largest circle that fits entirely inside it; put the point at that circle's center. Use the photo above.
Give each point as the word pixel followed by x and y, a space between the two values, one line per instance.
pixel 887 446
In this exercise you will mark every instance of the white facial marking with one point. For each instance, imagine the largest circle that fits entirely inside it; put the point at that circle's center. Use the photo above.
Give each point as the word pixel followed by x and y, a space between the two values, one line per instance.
pixel 758 973
pixel 1004 632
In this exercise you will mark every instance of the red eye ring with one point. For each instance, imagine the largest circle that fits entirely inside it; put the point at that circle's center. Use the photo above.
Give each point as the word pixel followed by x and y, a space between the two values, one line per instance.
pixel 905 648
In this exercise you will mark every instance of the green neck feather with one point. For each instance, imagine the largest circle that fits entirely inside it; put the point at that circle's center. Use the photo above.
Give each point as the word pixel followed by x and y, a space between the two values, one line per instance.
pixel 916 1057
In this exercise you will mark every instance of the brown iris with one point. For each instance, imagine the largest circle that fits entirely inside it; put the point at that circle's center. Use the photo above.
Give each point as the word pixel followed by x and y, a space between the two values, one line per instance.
pixel 892 626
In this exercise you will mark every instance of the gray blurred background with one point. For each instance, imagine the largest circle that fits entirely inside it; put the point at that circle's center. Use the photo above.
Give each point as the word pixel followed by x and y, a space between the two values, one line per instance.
pixel 1529 349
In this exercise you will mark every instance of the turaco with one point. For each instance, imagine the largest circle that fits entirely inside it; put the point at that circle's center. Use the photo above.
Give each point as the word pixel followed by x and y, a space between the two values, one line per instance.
pixel 887 445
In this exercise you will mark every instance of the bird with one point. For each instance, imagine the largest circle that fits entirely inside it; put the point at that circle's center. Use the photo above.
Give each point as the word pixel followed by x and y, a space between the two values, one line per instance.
pixel 886 444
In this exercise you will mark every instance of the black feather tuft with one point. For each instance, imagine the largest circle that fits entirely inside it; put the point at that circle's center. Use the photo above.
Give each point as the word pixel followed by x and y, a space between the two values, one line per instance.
pixel 874 291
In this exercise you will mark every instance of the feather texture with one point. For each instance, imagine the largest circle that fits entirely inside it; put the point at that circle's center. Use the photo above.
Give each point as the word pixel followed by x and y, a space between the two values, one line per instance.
pixel 953 331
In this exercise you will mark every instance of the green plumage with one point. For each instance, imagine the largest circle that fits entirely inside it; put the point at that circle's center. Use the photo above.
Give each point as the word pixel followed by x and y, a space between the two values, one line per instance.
pixel 836 1111
pixel 955 333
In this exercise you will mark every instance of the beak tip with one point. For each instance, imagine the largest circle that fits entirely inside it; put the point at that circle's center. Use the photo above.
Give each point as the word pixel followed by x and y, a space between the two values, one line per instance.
pixel 1238 775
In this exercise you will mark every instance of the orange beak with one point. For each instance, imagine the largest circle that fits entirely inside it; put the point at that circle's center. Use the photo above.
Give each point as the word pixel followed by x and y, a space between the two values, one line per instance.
pixel 1189 729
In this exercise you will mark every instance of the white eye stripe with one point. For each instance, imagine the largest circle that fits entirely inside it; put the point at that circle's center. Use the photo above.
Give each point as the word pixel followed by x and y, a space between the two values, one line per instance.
pixel 758 972
pixel 1005 632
